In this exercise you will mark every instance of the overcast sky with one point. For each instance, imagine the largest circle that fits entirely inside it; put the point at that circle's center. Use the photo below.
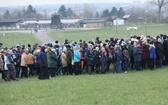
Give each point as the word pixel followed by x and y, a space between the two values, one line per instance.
pixel 42 2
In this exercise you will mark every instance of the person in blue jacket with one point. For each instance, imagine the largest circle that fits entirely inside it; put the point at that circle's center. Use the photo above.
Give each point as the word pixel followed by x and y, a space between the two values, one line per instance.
pixel 152 55
pixel 76 58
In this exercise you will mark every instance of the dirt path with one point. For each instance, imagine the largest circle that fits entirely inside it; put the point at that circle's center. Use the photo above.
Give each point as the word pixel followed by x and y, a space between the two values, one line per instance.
pixel 42 36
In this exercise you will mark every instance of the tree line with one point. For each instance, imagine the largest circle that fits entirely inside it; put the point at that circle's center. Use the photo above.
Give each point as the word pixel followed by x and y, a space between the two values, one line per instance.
pixel 155 15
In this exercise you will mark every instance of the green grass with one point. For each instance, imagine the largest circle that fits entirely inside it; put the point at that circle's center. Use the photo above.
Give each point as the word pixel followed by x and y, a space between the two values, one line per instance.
pixel 12 39
pixel 108 32
pixel 135 88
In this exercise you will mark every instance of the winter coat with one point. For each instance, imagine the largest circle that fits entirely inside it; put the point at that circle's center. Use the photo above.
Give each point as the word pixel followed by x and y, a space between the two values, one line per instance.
pixel 64 59
pixel 144 52
pixel 76 56
pixel 37 59
pixel 159 50
pixel 97 57
pixel 69 55
pixel 8 59
pixel 137 54
pixel 90 57
pixel 118 55
pixel 152 52
pixel 126 55
pixel 1 63
pixel 42 57
pixel 30 58
pixel 103 55
pixel 23 60
pixel 53 59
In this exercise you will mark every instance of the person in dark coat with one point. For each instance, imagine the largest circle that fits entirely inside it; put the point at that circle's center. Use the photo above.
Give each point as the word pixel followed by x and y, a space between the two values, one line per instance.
pixel 137 56
pixel 44 73
pixel 103 60
pixel 69 55
pixel 165 47
pixel 159 53
pixel 53 62
pixel 118 58
pixel 131 54
pixel 97 59
pixel 90 60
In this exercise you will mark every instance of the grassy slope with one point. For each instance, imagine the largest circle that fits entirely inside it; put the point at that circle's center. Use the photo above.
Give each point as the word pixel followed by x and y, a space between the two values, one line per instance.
pixel 11 39
pixel 135 88
pixel 108 32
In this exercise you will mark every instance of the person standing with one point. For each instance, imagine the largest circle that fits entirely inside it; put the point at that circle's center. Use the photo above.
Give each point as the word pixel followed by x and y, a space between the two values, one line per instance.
pixel 137 56
pixel 9 63
pixel 23 64
pixel 126 58
pixel 118 58
pixel 76 58
pixel 44 73
pixel 53 62
pixel 152 55
pixel 30 59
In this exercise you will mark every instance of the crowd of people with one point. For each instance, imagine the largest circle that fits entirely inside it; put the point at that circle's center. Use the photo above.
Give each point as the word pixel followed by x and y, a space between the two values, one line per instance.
pixel 75 58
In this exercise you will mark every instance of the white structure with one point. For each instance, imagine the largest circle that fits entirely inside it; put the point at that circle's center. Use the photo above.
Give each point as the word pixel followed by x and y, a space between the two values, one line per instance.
pixel 118 22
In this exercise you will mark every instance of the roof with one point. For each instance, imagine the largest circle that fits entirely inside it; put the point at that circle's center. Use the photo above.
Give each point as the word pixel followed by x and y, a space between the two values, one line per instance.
pixel 11 21
pixel 70 21
pixel 64 21
pixel 94 20
pixel 126 16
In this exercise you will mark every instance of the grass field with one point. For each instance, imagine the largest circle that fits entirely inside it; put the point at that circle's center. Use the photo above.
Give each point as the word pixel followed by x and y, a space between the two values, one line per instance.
pixel 11 39
pixel 108 32
pixel 135 88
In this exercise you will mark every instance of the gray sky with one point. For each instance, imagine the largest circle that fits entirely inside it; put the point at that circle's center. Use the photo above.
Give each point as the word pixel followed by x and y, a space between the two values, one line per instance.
pixel 42 2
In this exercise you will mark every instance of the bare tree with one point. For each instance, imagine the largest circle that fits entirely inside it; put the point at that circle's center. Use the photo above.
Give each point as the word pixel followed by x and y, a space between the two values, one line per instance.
pixel 160 4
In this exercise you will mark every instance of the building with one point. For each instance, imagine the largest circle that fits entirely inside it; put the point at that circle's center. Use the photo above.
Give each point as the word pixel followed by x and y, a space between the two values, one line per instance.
pixel 94 23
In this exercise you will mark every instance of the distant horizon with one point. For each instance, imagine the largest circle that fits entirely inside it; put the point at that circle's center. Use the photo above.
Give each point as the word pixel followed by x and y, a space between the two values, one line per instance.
pixel 6 3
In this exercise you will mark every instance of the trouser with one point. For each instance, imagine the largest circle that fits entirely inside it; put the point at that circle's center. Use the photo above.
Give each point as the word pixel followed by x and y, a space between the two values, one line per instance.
pixel 132 62
pixel 125 64
pixel 65 71
pixel 108 64
pixel 143 64
pixel 159 62
pixel 103 67
pixel 44 73
pixel 3 75
pixel 137 65
pixel 151 63
pixel 97 67
pixel 31 69
pixel 17 68
pixel 118 66
pixel 76 68
pixel 69 68
pixel 24 72
pixel 11 71
pixel 90 69
pixel 52 71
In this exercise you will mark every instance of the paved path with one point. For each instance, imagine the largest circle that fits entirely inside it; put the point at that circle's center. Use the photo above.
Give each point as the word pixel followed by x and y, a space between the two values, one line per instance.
pixel 42 36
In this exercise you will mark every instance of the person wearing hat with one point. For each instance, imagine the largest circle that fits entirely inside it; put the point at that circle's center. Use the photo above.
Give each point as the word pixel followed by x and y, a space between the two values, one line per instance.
pixel 96 54
pixel 137 56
